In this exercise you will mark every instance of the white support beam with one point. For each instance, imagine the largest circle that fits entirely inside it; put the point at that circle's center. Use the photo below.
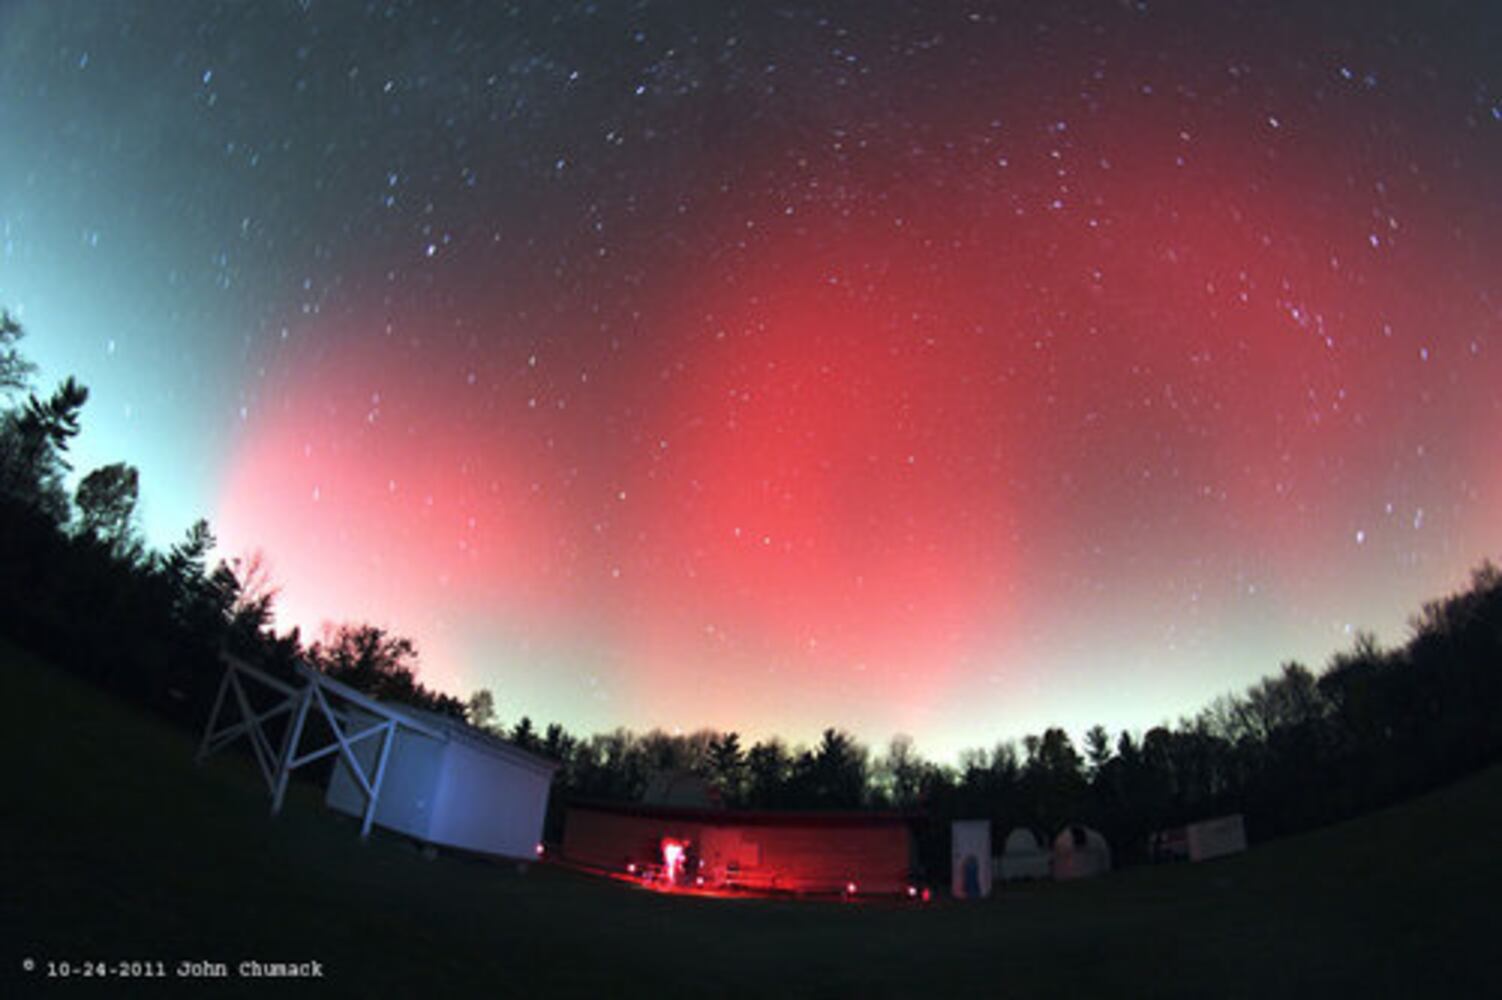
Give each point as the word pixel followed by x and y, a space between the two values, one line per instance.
pixel 380 774
pixel 371 705
pixel 345 746
pixel 276 684
pixel 208 732
pixel 228 735
pixel 258 741
pixel 289 743
pixel 276 763
pixel 250 723
pixel 333 748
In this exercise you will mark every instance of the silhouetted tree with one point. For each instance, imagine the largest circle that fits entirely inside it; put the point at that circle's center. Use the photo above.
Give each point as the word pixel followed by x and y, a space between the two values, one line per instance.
pixel 618 770
pixel 899 774
pixel 834 774
pixel 558 744
pixel 15 370
pixel 33 443
pixel 727 765
pixel 1352 685
pixel 193 600
pixel 1058 774
pixel 1097 749
pixel 382 665
pixel 187 561
pixel 479 710
pixel 768 767
pixel 523 735
pixel 242 592
pixel 106 501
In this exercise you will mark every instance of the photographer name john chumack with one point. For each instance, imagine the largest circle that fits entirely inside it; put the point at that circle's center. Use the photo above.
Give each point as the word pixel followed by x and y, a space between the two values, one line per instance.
pixel 248 969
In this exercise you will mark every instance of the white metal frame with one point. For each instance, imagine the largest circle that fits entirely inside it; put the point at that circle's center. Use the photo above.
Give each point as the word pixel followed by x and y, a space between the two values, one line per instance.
pixel 277 763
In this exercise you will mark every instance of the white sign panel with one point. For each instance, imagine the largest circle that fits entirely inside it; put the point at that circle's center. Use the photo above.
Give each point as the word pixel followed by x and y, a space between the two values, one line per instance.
pixel 1214 838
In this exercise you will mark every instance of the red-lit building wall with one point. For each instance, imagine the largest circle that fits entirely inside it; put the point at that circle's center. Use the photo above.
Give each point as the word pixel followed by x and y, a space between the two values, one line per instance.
pixel 794 852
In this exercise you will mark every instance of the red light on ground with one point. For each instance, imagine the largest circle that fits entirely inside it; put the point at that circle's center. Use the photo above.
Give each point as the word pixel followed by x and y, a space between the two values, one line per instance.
pixel 926 895
pixel 850 888
pixel 699 881
pixel 631 867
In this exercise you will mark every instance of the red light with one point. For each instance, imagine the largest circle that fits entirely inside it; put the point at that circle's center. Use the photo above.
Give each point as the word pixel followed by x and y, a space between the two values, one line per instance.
pixel 925 895
pixel 699 881
pixel 912 892
pixel 850 888
pixel 631 867
pixel 539 849
pixel 672 858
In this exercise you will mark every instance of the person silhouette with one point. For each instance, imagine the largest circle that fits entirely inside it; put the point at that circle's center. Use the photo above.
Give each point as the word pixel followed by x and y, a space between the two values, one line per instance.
pixel 970 869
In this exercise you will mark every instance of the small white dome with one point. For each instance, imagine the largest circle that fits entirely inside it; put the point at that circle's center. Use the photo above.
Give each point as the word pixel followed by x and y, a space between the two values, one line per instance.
pixel 1023 841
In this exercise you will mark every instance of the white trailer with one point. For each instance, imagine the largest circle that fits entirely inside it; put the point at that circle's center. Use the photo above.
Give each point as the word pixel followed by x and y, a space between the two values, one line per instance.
pixel 452 786
pixel 423 774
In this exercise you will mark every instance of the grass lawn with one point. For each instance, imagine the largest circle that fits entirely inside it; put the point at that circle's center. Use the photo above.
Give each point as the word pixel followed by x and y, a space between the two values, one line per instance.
pixel 117 847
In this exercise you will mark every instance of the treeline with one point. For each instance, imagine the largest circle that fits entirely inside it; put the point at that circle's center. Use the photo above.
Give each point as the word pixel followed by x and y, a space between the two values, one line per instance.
pixel 1293 751
pixel 78 584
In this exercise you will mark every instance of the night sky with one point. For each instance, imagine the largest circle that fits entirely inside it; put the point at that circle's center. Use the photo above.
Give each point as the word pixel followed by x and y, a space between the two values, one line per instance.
pixel 945 369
